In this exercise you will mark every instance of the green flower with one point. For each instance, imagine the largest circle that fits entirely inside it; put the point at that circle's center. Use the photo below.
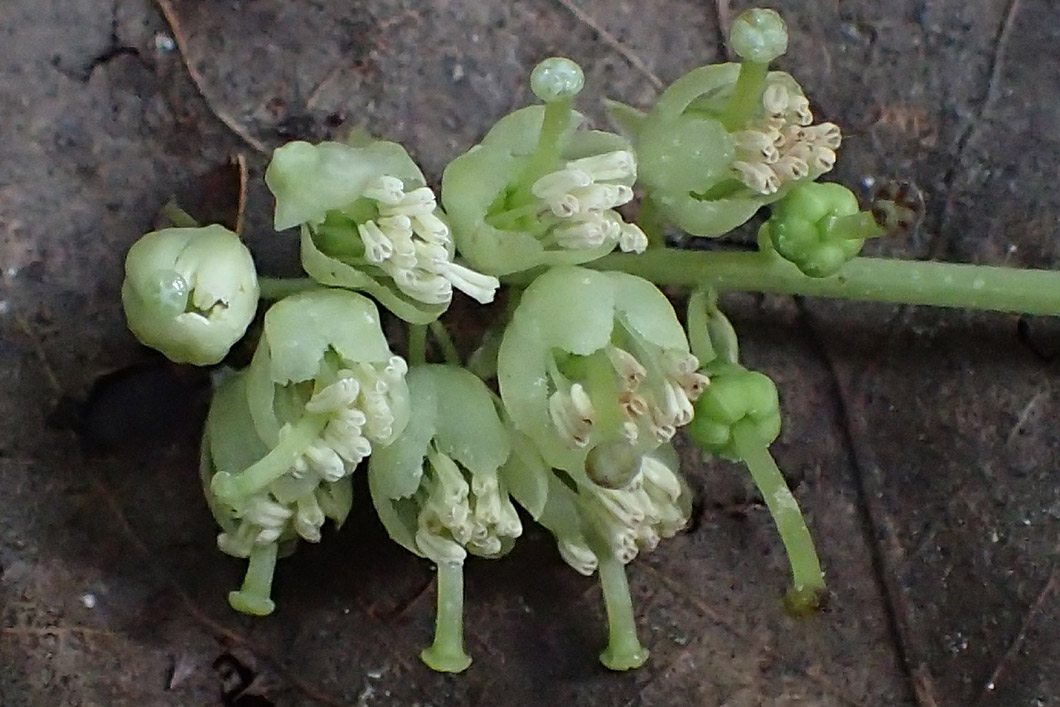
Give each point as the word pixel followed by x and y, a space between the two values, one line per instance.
pixel 596 364
pixel 283 438
pixel 537 191
pixel 323 390
pixel 442 493
pixel 726 139
pixel 268 523
pixel 190 292
pixel 603 529
pixel 370 223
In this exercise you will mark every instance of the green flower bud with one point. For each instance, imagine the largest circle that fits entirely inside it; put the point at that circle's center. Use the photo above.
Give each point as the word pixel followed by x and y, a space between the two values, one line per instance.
pixel 596 357
pixel 808 228
pixel 370 223
pixel 537 191
pixel 190 292
pixel 736 396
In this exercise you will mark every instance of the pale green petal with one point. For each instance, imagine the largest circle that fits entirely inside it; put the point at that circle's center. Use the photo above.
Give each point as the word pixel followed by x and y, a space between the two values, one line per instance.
pixel 647 311
pixel 526 475
pixel 395 471
pixel 310 180
pixel 301 328
pixel 468 428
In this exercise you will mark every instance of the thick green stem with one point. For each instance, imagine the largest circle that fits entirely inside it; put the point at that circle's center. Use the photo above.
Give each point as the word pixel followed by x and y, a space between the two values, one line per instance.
pixel 253 596
pixel 807 577
pixel 872 279
pixel 445 342
pixel 275 288
pixel 447 654
pixel 624 651
pixel 232 489
pixel 746 95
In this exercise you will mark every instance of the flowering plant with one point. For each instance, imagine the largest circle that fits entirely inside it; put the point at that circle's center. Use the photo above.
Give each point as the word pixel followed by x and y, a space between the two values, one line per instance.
pixel 567 411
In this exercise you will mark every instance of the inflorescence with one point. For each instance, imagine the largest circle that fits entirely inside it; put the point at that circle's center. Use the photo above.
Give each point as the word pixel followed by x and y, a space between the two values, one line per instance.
pixel 567 412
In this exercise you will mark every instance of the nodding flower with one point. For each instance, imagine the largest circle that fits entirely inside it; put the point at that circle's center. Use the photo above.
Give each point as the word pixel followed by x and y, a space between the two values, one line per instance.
pixel 600 530
pixel 597 363
pixel 370 223
pixel 537 191
pixel 442 493
pixel 321 394
pixel 190 292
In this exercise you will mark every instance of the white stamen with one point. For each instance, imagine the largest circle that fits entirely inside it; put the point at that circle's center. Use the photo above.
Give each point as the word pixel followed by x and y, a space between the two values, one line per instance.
pixel 619 165
pixel 577 554
pixel 489 545
pixel 430 228
pixel 790 168
pixel 338 396
pixel 599 197
pixel 627 366
pixel 800 107
pixel 325 461
pixel 555 184
pixel 581 236
pixel 825 134
pixel 309 518
pixel 775 99
pixel 439 549
pixel 657 474
pixel 479 287
pixel 759 144
pixel 377 247
pixel 386 190
pixel 758 177
pixel 414 203
pixel 631 239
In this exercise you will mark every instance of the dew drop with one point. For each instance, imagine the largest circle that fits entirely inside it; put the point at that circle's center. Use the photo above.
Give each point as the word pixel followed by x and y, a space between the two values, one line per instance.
pixel 169 290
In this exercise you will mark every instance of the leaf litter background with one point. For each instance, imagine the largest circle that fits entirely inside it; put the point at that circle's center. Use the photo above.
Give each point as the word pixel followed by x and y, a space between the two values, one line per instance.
pixel 920 442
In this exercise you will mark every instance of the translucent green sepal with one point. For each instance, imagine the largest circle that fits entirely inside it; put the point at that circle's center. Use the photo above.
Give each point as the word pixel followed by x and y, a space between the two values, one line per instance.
pixel 302 329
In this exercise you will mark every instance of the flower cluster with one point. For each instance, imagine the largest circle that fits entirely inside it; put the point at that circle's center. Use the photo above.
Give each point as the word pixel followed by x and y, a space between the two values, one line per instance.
pixel 594 372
